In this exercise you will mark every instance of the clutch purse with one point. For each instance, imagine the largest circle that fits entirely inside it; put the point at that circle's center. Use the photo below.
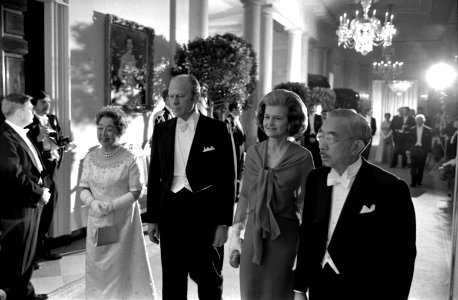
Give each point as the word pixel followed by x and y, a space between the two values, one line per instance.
pixel 106 235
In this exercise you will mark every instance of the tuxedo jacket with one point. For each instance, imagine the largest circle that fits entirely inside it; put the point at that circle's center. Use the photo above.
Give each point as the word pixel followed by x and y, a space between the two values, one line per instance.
pixel 426 138
pixel 210 170
pixel 19 211
pixel 373 251
pixel 398 124
pixel 318 121
pixel 34 131
pixel 373 126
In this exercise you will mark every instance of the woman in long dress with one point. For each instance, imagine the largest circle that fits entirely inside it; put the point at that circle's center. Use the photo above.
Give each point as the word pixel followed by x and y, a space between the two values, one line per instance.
pixel 110 186
pixel 271 200
pixel 384 152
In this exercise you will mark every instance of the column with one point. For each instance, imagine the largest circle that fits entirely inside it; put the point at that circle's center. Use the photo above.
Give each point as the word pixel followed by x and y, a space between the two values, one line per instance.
pixel 251 33
pixel 294 54
pixel 265 56
pixel 305 58
pixel 198 19
pixel 57 84
pixel 173 31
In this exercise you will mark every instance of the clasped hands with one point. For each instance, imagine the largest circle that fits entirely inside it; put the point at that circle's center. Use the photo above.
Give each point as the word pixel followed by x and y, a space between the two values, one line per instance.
pixel 44 197
pixel 99 208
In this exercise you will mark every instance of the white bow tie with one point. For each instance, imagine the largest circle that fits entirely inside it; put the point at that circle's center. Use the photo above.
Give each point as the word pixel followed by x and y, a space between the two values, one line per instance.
pixel 334 178
pixel 183 125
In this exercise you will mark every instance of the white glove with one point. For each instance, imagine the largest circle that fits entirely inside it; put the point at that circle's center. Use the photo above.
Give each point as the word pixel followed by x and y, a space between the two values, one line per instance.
pixel 98 208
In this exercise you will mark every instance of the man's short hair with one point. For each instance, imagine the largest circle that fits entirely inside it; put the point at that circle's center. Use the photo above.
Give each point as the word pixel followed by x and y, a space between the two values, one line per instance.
pixel 422 116
pixel 38 95
pixel 13 102
pixel 355 124
pixel 297 112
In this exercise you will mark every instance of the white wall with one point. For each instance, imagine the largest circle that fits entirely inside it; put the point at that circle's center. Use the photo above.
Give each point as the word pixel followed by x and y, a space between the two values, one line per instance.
pixel 87 62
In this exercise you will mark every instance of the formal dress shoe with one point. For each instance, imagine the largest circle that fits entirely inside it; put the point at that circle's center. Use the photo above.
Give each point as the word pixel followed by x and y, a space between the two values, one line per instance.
pixel 48 256
pixel 36 266
pixel 38 297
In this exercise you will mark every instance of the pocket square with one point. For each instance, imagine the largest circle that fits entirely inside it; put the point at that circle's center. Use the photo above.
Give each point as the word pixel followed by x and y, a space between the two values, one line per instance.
pixel 366 209
pixel 211 148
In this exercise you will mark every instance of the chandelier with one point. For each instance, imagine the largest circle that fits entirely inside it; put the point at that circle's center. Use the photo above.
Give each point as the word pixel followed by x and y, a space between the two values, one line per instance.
pixel 399 86
pixel 363 32
pixel 387 68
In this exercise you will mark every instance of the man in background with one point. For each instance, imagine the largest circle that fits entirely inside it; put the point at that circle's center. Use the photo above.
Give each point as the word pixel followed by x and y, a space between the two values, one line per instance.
pixel 233 120
pixel 46 132
pixel 420 145
pixel 373 124
pixel 23 196
pixel 310 142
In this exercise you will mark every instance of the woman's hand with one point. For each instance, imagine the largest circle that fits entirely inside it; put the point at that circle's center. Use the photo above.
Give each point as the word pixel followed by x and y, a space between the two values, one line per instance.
pixel 98 208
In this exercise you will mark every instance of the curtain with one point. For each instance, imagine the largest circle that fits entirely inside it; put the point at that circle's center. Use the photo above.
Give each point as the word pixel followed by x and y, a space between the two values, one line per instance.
pixel 384 100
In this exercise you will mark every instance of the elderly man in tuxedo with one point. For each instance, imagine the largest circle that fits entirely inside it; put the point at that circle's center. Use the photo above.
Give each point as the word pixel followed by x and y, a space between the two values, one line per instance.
pixel 357 237
pixel 420 146
pixel 23 197
pixel 191 191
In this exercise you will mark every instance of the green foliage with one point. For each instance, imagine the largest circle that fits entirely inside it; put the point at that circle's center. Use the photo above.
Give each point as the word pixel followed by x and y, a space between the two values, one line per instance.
pixel 297 87
pixel 324 96
pixel 224 64
pixel 316 80
pixel 346 98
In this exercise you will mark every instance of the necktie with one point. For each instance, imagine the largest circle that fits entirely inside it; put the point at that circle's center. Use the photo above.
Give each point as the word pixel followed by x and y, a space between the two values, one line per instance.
pixel 334 178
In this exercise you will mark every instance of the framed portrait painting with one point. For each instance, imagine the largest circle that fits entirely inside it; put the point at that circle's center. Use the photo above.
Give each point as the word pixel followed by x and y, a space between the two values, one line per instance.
pixel 129 66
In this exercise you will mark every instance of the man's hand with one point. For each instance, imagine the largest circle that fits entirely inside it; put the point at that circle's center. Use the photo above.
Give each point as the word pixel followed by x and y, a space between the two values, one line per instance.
pixel 45 196
pixel 220 236
pixel 300 296
pixel 153 232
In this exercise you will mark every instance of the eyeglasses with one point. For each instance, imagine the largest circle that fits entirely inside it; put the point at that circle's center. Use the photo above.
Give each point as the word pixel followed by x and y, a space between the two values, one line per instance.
pixel 330 138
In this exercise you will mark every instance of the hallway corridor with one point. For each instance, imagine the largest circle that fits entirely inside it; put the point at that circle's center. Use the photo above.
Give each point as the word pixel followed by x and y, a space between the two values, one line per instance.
pixel 64 279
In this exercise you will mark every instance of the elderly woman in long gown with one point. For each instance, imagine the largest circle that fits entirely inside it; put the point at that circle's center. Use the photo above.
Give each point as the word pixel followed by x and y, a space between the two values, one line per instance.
pixel 271 200
pixel 110 186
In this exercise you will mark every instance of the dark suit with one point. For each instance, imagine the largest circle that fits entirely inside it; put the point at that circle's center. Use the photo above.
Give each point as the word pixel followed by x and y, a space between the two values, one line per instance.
pixel 374 252
pixel 188 220
pixel 239 141
pixel 19 213
pixel 418 154
pixel 367 150
pixel 50 166
pixel 401 130
pixel 310 141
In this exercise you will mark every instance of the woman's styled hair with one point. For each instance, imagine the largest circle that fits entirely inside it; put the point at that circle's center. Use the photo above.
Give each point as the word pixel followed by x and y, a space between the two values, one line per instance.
pixel 297 112
pixel 115 113
pixel 355 124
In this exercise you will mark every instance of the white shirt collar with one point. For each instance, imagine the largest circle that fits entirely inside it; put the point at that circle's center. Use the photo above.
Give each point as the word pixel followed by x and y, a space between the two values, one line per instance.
pixel 191 121
pixel 21 131
pixel 351 170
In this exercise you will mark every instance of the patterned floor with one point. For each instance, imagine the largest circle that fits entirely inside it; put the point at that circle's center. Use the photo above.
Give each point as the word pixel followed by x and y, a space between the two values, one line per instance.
pixel 64 279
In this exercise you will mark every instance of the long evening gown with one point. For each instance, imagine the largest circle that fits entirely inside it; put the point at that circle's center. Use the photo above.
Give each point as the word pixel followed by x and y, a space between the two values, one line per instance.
pixel 120 270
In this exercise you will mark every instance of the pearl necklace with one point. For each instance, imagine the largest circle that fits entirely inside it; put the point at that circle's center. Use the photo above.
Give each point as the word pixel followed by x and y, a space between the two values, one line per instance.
pixel 109 154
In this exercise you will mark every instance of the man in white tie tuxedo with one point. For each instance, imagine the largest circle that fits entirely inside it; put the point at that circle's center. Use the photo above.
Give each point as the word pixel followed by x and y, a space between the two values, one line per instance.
pixel 420 141
pixel 357 237
pixel 191 192
pixel 24 194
